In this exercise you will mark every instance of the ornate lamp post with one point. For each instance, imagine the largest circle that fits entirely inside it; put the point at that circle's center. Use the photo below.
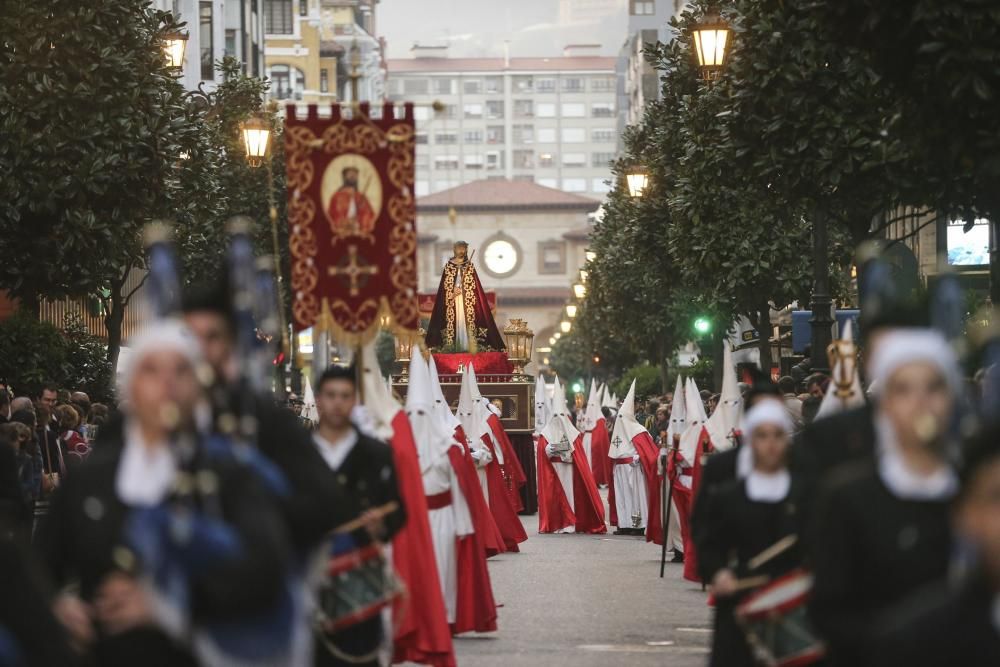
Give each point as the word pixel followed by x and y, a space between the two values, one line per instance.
pixel 256 133
pixel 712 39
pixel 571 310
pixel 637 179
pixel 519 339
pixel 174 44
pixel 579 290
pixel 565 326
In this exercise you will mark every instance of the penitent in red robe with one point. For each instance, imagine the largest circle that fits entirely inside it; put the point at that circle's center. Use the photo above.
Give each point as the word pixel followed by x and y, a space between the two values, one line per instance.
pixel 501 503
pixel 479 507
pixel 512 471
pixel 554 511
pixel 600 446
pixel 421 632
pixel 648 453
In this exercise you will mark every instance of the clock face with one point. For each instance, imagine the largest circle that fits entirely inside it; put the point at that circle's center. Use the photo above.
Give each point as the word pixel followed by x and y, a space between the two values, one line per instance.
pixel 500 257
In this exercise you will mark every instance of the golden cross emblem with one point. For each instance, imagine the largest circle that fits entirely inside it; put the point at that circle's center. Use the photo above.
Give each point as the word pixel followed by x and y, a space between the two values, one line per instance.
pixel 353 269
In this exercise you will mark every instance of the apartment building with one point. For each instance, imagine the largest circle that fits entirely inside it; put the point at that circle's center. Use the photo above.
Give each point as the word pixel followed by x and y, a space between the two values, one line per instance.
pixel 550 121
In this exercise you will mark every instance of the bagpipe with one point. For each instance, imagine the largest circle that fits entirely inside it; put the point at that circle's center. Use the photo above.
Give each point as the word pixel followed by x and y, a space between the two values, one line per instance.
pixel 187 536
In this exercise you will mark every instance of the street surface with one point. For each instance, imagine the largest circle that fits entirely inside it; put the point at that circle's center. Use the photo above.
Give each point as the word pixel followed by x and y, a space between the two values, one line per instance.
pixel 587 600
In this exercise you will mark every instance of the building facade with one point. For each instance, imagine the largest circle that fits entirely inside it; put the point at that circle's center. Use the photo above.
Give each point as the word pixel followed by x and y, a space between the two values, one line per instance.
pixel 529 244
pixel 216 29
pixel 313 47
pixel 550 121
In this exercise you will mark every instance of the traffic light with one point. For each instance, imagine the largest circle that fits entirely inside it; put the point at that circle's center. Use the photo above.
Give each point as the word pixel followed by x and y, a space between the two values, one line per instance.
pixel 577 387
pixel 702 326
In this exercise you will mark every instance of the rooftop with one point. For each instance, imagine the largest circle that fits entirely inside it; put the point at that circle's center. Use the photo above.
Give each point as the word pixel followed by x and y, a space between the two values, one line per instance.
pixel 504 194
pixel 554 64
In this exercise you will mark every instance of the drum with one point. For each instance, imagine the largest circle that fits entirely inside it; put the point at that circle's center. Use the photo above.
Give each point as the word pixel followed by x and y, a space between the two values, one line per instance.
pixel 359 583
pixel 776 625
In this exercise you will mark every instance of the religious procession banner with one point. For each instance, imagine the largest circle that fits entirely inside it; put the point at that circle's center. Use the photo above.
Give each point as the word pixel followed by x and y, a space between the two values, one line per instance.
pixel 351 216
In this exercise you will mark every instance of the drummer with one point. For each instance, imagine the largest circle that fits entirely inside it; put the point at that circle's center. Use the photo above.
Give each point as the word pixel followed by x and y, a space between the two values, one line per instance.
pixel 883 523
pixel 745 518
pixel 367 477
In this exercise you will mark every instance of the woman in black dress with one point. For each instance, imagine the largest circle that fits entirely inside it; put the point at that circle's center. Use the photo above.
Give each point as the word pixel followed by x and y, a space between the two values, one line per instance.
pixel 745 517
pixel 109 604
pixel 883 524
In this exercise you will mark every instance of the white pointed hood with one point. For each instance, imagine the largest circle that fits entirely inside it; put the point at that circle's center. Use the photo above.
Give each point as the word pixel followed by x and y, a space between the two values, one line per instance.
pixel 607 401
pixel 379 407
pixel 832 404
pixel 695 422
pixel 559 426
pixel 726 417
pixel 466 412
pixel 678 413
pixel 309 409
pixel 593 412
pixel 626 428
pixel 429 434
pixel 542 407
pixel 441 407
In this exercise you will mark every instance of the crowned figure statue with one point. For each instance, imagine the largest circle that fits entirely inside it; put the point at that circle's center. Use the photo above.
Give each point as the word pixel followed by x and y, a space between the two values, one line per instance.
pixel 461 320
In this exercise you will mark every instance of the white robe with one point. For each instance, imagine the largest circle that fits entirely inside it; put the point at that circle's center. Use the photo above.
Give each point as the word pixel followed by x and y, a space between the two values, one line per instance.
pixel 564 472
pixel 631 497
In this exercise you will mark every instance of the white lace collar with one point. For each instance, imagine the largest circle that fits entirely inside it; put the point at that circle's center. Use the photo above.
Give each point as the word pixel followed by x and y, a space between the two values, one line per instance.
pixel 765 487
pixel 903 482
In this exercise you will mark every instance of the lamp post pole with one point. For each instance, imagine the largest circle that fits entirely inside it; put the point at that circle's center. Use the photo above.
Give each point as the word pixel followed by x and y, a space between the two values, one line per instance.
pixel 821 304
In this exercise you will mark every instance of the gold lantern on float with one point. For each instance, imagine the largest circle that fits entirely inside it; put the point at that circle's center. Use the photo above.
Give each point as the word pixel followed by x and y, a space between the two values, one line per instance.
pixel 404 349
pixel 520 340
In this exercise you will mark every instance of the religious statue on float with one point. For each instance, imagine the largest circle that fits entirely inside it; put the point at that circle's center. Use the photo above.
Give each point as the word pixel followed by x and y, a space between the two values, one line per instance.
pixel 461 320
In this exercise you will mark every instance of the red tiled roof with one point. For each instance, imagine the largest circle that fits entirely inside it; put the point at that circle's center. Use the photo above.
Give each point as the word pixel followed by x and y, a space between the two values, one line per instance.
pixel 555 64
pixel 503 194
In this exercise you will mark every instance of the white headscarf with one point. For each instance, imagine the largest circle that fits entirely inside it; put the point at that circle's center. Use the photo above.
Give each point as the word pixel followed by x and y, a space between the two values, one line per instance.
pixel 763 487
pixel 907 346
pixel 163 335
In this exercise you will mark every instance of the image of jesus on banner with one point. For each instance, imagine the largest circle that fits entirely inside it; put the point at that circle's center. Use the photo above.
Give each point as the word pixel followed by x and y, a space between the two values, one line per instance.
pixel 353 192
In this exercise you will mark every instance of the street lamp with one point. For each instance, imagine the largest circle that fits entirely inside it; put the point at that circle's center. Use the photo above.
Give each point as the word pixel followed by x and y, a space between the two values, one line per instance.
pixel 712 38
pixel 557 335
pixel 565 326
pixel 579 290
pixel 590 255
pixel 584 274
pixel 256 136
pixel 571 309
pixel 637 178
pixel 174 44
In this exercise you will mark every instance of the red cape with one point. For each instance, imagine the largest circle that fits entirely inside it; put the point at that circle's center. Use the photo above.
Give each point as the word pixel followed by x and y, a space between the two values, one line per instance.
pixel 482 517
pixel 420 620
pixel 600 446
pixel 513 472
pixel 501 503
pixel 690 553
pixel 648 453
pixel 554 512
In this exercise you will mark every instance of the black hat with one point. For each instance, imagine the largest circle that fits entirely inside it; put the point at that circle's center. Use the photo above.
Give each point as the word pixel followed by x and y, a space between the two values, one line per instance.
pixel 213 297
pixel 884 303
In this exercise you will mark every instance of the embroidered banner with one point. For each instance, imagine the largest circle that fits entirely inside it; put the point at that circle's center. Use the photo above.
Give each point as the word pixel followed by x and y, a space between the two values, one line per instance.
pixel 351 216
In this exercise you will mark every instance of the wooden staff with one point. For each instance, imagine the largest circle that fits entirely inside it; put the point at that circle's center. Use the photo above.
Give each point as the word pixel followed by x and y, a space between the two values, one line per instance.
pixel 380 512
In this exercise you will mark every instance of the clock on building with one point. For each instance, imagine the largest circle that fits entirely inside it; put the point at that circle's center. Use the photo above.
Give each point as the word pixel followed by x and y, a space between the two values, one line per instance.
pixel 501 256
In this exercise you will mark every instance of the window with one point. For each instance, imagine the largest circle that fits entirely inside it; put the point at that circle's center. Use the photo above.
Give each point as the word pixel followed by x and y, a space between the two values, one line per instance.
pixel 474 161
pixel 574 185
pixel 524 159
pixel 546 135
pixel 422 160
pixel 602 110
pixel 494 109
pixel 415 86
pixel 551 257
pixel 446 162
pixel 549 183
pixel 278 17
pixel 287 83
pixel 450 111
pixel 494 134
pixel 643 7
pixel 421 112
pixel 574 159
pixel 473 137
pixel 472 86
pixel 572 85
pixel 494 85
pixel 603 84
pixel 205 35
pixel 494 160
pixel 446 138
pixel 545 110
pixel 473 111
pixel 602 135
pixel 421 188
pixel 443 86
pixel 421 137
pixel 231 43
pixel 303 7
pixel 574 110
pixel 545 85
pixel 524 134
pixel 546 160
pixel 524 109
pixel 395 86
pixel 600 186
pixel 324 81
pixel 574 135
pixel 601 160
pixel 524 84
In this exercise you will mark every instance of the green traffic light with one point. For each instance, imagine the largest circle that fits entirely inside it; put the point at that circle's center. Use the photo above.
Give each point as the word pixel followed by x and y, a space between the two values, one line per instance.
pixel 577 387
pixel 703 325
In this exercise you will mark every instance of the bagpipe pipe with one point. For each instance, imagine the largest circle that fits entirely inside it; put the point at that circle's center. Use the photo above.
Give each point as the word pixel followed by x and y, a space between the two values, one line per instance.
pixel 188 536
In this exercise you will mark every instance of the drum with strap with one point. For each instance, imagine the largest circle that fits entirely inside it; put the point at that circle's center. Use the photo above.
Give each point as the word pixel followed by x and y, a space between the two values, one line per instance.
pixel 776 625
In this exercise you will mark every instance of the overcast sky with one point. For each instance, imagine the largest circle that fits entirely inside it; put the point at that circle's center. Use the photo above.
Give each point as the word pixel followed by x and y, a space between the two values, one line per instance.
pixel 480 27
